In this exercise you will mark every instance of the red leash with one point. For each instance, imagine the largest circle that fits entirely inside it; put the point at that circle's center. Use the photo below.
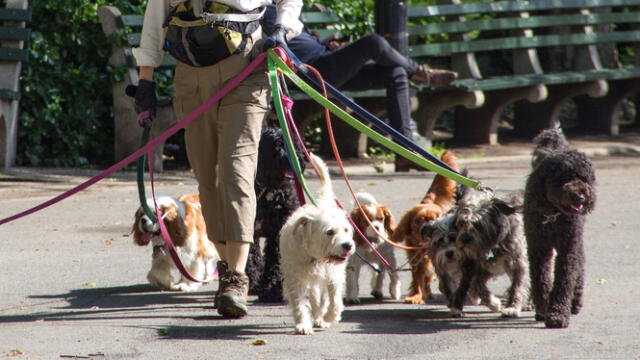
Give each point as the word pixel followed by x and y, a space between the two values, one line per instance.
pixel 150 145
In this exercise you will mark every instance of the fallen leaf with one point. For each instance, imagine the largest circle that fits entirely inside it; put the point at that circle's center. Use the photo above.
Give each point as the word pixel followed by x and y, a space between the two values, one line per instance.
pixel 601 281
pixel 24 308
pixel 14 352
pixel 259 342
pixel 89 284
pixel 164 331
pixel 109 242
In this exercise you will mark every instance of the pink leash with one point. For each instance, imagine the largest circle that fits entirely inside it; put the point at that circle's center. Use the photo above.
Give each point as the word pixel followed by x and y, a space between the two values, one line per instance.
pixel 150 145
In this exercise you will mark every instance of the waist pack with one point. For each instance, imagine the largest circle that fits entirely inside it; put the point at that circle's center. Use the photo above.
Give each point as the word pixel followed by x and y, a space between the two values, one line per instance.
pixel 204 40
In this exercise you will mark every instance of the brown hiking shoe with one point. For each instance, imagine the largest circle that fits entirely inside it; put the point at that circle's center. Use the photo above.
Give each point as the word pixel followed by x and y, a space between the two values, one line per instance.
pixel 232 299
pixel 222 267
pixel 433 77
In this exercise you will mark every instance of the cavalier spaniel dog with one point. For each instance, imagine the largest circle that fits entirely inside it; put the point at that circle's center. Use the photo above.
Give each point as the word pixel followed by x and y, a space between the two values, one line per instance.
pixel 439 199
pixel 186 227
pixel 380 226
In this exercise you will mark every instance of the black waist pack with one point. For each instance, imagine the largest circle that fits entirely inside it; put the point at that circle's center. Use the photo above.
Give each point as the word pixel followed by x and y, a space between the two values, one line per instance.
pixel 198 42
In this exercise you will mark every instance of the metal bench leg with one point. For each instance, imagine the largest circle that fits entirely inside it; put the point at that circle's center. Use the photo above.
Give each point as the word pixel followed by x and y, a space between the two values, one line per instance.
pixel 530 119
pixel 8 132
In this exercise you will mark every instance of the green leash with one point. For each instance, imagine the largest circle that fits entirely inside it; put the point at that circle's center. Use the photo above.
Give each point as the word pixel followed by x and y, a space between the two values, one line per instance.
pixel 140 170
pixel 280 65
pixel 275 88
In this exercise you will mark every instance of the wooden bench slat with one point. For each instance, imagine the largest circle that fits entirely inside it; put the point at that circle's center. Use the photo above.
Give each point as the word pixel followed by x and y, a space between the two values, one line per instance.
pixel 14 54
pixel 523 43
pixel 512 6
pixel 7 14
pixel 132 20
pixel 524 23
pixel 319 18
pixel 13 33
pixel 9 94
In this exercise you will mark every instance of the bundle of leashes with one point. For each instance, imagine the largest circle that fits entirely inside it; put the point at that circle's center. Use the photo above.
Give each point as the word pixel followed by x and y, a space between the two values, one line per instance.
pixel 280 61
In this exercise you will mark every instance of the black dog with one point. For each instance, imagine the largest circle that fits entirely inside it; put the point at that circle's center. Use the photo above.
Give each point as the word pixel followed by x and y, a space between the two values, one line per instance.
pixel 276 200
pixel 559 193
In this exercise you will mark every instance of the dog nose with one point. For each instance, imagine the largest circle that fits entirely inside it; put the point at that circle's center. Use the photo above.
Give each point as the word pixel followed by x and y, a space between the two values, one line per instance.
pixel 449 254
pixel 347 246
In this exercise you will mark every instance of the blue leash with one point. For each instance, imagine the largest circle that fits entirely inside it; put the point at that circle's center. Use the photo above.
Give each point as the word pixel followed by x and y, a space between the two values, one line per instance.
pixel 381 125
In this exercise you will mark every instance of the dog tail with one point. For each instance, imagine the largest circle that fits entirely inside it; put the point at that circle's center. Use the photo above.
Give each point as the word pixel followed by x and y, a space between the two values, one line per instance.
pixel 547 142
pixel 326 190
pixel 443 189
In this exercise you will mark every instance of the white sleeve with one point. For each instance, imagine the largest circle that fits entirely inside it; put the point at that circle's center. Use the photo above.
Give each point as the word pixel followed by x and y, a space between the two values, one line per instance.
pixel 288 15
pixel 150 52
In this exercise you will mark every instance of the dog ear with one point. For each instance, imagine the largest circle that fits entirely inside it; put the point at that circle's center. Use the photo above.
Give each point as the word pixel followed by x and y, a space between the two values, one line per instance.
pixel 402 230
pixel 135 230
pixel 175 226
pixel 300 225
pixel 504 208
pixel 389 221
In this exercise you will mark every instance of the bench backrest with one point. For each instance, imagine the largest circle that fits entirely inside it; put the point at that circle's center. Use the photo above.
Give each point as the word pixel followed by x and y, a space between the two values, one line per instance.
pixel 519 26
pixel 13 34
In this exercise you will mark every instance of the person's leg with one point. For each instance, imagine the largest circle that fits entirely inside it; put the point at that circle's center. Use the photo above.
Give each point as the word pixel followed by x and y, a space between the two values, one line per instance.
pixel 395 81
pixel 240 116
pixel 339 66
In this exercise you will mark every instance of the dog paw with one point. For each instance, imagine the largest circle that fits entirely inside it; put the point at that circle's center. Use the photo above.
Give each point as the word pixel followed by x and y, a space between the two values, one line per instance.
pixel 511 312
pixel 456 313
pixel 495 304
pixel 331 318
pixel 352 301
pixel 416 299
pixel 184 287
pixel 304 329
pixel 395 295
pixel 556 321
pixel 539 317
pixel 377 294
pixel 475 300
pixel 321 324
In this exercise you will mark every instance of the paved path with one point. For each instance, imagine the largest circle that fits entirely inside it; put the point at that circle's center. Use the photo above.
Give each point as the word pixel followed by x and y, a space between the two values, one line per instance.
pixel 73 283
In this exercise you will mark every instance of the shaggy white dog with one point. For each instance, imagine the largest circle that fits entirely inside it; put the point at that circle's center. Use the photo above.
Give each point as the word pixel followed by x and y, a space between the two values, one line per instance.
pixel 315 243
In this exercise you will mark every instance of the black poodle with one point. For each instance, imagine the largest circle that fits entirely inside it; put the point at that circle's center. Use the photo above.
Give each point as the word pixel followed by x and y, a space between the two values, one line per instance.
pixel 560 191
pixel 276 200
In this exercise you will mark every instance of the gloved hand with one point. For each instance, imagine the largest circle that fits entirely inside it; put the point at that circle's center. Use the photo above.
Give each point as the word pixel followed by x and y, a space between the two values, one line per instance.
pixel 145 100
pixel 278 37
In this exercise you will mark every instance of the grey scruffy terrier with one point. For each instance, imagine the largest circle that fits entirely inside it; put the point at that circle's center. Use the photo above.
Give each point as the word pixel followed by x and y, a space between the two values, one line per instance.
pixel 491 239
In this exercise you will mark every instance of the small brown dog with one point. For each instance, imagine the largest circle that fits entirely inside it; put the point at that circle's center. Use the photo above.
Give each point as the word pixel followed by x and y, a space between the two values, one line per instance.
pixel 439 199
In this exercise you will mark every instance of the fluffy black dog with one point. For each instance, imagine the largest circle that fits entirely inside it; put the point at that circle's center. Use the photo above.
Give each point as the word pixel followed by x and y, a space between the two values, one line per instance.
pixel 276 200
pixel 560 191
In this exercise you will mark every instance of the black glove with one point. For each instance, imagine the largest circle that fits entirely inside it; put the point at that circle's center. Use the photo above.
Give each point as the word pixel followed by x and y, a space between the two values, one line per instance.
pixel 278 37
pixel 145 100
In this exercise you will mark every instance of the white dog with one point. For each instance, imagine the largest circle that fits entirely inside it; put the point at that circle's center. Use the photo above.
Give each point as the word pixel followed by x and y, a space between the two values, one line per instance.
pixel 315 243
pixel 382 225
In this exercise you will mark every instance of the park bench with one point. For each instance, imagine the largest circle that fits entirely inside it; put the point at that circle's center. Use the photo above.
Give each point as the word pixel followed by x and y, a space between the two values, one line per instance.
pixel 126 131
pixel 534 55
pixel 13 35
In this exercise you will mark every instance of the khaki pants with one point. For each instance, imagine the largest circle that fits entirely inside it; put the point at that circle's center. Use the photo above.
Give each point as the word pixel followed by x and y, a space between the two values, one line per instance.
pixel 222 144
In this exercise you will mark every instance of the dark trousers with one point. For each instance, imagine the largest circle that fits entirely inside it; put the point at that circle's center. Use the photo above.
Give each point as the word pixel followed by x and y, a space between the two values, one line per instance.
pixel 370 63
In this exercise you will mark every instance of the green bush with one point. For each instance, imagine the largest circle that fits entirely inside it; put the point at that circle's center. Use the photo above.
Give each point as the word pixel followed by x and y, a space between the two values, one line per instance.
pixel 66 110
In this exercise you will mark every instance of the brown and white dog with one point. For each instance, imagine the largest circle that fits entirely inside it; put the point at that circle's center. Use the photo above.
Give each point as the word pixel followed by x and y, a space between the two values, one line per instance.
pixel 186 227
pixel 438 200
pixel 383 221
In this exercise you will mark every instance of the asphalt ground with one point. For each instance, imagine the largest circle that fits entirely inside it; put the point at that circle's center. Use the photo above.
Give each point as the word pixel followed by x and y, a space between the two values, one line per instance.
pixel 73 284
